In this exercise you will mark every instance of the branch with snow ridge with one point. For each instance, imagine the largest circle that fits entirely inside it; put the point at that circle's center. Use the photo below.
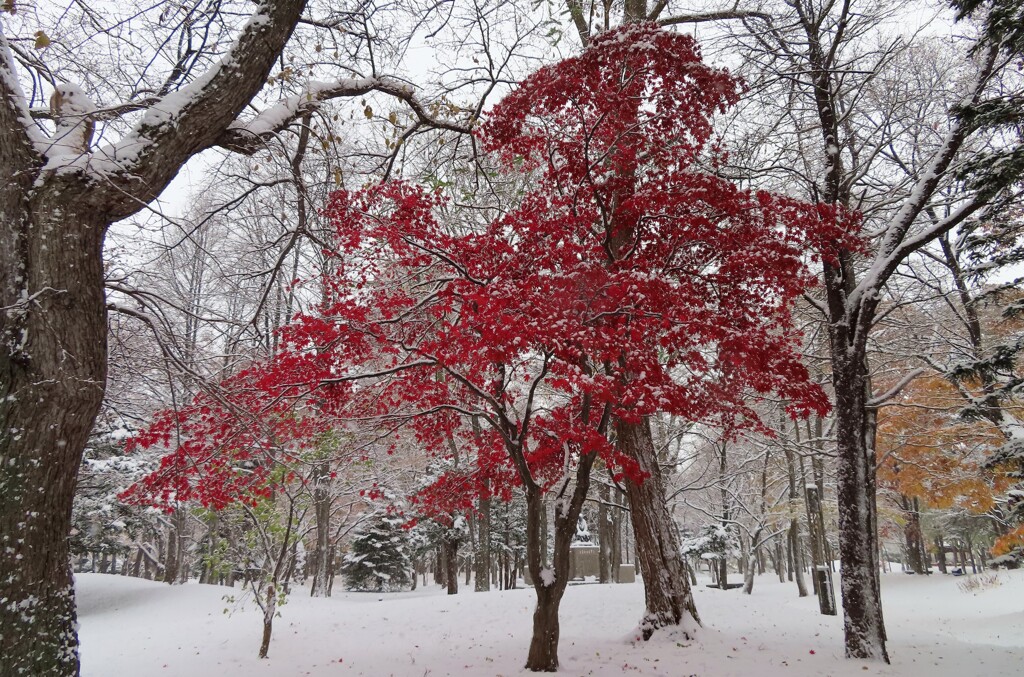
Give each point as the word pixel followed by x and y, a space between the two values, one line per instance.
pixel 248 137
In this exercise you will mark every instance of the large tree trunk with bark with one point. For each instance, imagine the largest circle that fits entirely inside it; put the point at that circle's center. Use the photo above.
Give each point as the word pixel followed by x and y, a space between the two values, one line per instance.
pixel 52 376
pixel 858 541
pixel 667 593
pixel 549 585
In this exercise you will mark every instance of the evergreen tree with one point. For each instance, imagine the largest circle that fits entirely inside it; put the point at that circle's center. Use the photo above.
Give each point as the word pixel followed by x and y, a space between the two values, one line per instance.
pixel 380 558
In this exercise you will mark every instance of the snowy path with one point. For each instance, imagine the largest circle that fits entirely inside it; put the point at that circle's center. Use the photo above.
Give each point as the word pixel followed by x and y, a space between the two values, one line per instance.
pixel 132 627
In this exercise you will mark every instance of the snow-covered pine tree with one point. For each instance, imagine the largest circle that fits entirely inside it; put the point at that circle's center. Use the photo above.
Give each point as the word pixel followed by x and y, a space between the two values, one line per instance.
pixel 717 542
pixel 379 559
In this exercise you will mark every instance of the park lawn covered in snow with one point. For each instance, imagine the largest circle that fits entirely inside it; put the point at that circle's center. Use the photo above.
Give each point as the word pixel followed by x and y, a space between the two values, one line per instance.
pixel 132 627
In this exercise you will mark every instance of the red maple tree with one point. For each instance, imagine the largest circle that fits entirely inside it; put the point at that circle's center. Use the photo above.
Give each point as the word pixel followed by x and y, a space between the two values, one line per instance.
pixel 631 280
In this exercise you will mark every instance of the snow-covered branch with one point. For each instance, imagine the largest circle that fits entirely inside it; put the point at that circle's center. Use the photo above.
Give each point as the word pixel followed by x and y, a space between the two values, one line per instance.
pixel 704 17
pixel 247 137
pixel 895 244
pixel 892 392
pixel 21 142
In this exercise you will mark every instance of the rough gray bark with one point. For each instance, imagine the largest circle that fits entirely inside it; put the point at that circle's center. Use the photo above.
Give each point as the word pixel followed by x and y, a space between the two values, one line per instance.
pixel 667 594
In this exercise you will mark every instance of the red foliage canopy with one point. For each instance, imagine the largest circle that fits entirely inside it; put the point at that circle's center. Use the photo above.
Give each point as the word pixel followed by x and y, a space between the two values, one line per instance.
pixel 630 280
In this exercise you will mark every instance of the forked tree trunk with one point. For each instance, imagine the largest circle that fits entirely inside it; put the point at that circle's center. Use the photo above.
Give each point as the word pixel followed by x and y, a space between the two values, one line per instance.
pixel 549 585
pixel 667 593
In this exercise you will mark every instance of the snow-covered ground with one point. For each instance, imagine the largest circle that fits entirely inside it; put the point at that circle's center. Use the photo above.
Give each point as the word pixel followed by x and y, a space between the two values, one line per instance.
pixel 132 627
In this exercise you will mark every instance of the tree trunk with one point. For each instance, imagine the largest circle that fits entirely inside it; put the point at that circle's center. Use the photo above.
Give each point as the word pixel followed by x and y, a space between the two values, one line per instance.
pixel 864 627
pixel 440 567
pixel 322 514
pixel 912 535
pixel 604 535
pixel 330 569
pixel 543 656
pixel 268 620
pixel 940 553
pixel 172 561
pixel 208 573
pixel 53 328
pixel 451 563
pixel 970 552
pixel 779 560
pixel 549 584
pixel 748 573
pixel 667 593
pixel 616 533
pixel 53 333
pixel 137 565
pixel 482 560
pixel 794 521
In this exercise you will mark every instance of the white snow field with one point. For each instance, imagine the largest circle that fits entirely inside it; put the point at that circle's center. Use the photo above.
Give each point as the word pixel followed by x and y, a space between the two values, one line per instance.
pixel 136 628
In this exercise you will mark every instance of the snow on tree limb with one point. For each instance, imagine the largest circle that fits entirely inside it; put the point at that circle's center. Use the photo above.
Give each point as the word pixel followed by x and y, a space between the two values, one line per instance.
pixel 879 400
pixel 135 169
pixel 896 245
pixel 19 136
pixel 247 137
pixel 202 114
